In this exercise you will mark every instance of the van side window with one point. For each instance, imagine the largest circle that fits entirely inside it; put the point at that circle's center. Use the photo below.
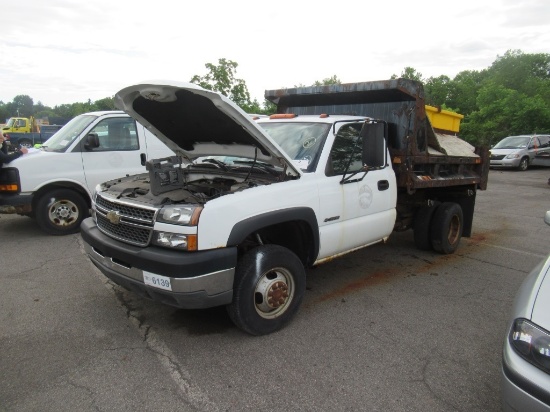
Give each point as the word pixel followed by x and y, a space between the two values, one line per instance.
pixel 346 141
pixel 116 133
pixel 544 141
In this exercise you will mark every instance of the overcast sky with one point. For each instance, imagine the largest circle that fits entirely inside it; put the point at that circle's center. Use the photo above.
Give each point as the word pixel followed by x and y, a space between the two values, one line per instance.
pixel 67 51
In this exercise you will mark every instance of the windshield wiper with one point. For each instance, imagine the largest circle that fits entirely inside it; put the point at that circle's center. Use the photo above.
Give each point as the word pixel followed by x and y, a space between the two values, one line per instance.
pixel 217 162
pixel 269 168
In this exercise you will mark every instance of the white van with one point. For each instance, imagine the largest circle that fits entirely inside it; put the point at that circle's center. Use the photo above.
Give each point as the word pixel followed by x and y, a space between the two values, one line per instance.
pixel 55 183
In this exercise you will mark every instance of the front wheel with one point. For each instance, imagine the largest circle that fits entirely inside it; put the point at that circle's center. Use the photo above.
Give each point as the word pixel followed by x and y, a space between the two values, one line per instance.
pixel 270 282
pixel 60 211
pixel 523 164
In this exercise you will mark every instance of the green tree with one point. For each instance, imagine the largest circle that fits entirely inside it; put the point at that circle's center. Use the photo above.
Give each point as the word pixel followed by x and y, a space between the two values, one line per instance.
pixel 409 73
pixel 526 73
pixel 22 106
pixel 106 103
pixel 437 90
pixel 4 115
pixel 505 112
pixel 464 90
pixel 328 81
pixel 221 78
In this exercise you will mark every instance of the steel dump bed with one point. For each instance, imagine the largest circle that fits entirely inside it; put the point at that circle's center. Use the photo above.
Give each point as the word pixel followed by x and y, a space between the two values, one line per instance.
pixel 422 157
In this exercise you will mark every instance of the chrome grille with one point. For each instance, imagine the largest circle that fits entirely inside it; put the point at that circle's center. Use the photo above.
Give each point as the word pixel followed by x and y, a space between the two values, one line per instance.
pixel 145 215
pixel 497 157
pixel 134 225
pixel 135 235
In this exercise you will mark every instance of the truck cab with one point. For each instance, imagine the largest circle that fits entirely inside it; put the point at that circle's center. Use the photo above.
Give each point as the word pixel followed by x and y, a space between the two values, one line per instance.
pixel 20 125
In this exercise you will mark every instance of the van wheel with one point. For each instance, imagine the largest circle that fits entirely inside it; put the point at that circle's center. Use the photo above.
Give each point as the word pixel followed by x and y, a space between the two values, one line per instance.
pixel 446 228
pixel 421 227
pixel 60 212
pixel 523 164
pixel 269 286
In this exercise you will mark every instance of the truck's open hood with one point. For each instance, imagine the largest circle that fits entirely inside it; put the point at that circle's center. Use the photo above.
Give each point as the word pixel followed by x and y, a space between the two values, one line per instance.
pixel 195 122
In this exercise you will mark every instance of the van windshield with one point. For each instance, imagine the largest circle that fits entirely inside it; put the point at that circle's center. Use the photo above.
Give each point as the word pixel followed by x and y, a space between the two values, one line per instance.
pixel 513 142
pixel 61 140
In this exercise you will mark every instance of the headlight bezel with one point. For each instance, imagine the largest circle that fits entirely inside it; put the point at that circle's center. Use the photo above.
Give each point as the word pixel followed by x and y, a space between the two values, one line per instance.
pixel 531 342
pixel 183 215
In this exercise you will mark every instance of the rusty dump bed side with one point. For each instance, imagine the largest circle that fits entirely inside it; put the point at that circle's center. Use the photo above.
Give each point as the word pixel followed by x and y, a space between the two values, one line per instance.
pixel 421 157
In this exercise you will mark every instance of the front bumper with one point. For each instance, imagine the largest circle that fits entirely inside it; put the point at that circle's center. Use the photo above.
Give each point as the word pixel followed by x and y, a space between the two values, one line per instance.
pixel 15 203
pixel 505 163
pixel 523 386
pixel 198 279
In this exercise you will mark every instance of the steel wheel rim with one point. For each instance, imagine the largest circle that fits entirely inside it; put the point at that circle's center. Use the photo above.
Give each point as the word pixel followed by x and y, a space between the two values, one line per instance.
pixel 274 293
pixel 63 213
pixel 454 230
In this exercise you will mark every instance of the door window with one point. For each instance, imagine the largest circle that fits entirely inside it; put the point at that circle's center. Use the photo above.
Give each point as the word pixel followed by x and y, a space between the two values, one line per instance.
pixel 116 133
pixel 346 150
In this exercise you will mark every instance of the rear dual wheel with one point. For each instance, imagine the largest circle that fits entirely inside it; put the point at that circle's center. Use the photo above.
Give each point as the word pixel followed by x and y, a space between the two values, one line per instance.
pixel 439 227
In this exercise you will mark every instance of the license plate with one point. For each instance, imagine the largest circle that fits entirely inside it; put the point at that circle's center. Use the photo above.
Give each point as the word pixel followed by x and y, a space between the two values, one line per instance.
pixel 157 281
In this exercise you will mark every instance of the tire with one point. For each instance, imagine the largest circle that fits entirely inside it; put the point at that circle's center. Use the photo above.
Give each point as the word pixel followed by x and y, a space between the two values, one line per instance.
pixel 421 227
pixel 523 164
pixel 60 212
pixel 265 273
pixel 25 143
pixel 446 228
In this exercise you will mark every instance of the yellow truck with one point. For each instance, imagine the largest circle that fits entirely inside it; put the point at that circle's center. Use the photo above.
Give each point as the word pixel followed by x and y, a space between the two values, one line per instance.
pixel 23 125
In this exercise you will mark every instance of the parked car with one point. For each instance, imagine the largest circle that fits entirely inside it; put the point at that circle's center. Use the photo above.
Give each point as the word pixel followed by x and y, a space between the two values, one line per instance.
pixel 519 152
pixel 526 356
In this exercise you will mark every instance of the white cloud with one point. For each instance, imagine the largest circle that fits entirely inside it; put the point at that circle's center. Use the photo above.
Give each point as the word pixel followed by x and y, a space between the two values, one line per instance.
pixel 63 51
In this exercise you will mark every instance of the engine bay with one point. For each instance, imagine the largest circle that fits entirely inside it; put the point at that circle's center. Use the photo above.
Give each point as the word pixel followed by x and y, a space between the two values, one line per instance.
pixel 172 185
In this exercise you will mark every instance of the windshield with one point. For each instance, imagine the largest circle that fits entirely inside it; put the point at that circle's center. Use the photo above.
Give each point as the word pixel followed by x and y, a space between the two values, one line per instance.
pixel 10 122
pixel 301 141
pixel 513 142
pixel 61 140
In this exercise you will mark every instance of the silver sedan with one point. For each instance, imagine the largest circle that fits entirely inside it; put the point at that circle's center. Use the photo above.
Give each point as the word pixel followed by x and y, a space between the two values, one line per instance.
pixel 526 354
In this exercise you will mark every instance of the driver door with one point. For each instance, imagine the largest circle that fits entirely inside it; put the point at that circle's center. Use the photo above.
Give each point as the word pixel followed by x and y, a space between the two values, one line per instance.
pixel 358 211
pixel 118 153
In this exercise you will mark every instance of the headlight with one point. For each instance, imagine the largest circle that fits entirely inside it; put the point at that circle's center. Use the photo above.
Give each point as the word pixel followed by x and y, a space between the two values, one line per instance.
pixel 175 240
pixel 97 189
pixel 532 343
pixel 512 156
pixel 180 215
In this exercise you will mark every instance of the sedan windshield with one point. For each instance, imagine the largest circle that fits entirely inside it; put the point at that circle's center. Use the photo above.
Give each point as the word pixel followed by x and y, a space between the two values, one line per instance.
pixel 60 141
pixel 513 142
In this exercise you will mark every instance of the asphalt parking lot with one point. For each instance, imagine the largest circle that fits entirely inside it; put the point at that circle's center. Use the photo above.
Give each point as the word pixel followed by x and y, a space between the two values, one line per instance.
pixel 385 328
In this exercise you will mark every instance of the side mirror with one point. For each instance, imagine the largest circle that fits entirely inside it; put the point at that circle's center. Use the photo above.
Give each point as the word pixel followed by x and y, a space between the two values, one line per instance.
pixel 374 145
pixel 91 141
pixel 547 217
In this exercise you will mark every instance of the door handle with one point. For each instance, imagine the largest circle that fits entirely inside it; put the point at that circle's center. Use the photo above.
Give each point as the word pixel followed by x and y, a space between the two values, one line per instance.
pixel 383 185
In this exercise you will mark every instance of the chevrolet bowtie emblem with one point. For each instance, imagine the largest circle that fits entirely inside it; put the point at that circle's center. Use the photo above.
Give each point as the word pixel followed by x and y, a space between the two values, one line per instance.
pixel 114 217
